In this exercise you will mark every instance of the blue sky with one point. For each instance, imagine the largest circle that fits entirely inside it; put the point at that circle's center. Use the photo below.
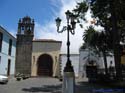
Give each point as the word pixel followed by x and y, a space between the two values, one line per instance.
pixel 12 10
pixel 44 13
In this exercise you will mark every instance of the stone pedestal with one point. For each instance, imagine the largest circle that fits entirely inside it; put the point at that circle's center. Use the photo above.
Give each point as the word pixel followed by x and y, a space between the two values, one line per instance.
pixel 68 82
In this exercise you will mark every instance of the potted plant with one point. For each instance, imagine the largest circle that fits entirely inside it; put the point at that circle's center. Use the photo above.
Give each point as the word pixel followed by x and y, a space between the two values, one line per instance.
pixel 18 77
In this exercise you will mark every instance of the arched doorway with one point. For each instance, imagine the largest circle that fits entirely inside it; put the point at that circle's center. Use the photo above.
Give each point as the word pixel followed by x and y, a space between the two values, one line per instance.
pixel 45 65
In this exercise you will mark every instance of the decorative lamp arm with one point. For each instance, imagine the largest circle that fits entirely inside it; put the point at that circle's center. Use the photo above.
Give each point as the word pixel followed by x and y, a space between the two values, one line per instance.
pixel 63 29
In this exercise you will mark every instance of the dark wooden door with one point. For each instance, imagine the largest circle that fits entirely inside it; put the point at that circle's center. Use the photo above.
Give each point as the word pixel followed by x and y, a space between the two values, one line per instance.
pixel 8 68
pixel 45 65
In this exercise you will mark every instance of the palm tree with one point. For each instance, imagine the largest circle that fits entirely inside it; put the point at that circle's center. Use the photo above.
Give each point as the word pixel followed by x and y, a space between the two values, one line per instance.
pixel 110 15
pixel 102 45
pixel 90 36
pixel 96 40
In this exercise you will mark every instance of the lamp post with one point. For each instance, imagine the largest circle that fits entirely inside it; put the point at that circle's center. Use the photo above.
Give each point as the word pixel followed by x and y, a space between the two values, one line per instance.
pixel 70 29
pixel 68 76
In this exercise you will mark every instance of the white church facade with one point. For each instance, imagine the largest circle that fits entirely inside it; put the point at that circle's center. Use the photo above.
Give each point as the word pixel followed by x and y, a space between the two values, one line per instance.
pixel 86 55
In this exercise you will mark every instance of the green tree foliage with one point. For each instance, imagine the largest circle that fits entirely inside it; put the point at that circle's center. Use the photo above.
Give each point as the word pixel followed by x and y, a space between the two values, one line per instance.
pixel 108 13
pixel 97 40
pixel 111 16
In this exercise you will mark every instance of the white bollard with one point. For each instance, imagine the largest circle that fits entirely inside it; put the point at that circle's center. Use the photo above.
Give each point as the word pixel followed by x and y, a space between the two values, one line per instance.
pixel 68 82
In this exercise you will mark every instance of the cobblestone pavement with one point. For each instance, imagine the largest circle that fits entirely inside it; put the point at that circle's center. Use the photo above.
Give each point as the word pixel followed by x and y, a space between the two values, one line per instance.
pixel 52 85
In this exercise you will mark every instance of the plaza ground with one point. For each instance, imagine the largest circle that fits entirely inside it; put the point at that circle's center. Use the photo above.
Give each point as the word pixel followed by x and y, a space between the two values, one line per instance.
pixel 53 85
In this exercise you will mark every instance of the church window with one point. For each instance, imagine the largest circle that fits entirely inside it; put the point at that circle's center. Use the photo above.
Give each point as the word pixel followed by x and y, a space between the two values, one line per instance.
pixel 0 59
pixel 1 38
pixel 10 47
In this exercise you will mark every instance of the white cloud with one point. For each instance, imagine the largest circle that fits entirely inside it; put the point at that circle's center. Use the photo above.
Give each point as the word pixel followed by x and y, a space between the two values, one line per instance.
pixel 48 31
pixel 13 32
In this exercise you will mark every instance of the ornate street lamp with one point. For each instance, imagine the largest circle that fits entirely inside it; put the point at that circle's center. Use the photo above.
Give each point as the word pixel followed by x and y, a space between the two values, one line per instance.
pixel 70 29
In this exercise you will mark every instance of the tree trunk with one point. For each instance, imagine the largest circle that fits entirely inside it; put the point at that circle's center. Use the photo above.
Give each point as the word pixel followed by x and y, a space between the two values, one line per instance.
pixel 116 42
pixel 105 62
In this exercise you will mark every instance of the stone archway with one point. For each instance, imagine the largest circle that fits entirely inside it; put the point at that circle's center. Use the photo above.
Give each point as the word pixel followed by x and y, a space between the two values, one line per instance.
pixel 45 65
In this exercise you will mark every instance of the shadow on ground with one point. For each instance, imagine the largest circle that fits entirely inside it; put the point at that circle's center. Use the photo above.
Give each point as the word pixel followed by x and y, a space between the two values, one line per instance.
pixel 83 87
pixel 86 87
pixel 45 88
pixel 80 87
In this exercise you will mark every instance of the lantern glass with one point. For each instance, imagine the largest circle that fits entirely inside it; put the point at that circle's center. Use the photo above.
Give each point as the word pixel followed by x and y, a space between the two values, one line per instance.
pixel 72 18
pixel 58 22
pixel 67 14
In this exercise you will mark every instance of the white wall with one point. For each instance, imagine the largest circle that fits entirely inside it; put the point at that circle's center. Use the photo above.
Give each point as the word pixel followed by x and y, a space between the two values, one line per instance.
pixel 75 62
pixel 83 60
pixel 4 53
